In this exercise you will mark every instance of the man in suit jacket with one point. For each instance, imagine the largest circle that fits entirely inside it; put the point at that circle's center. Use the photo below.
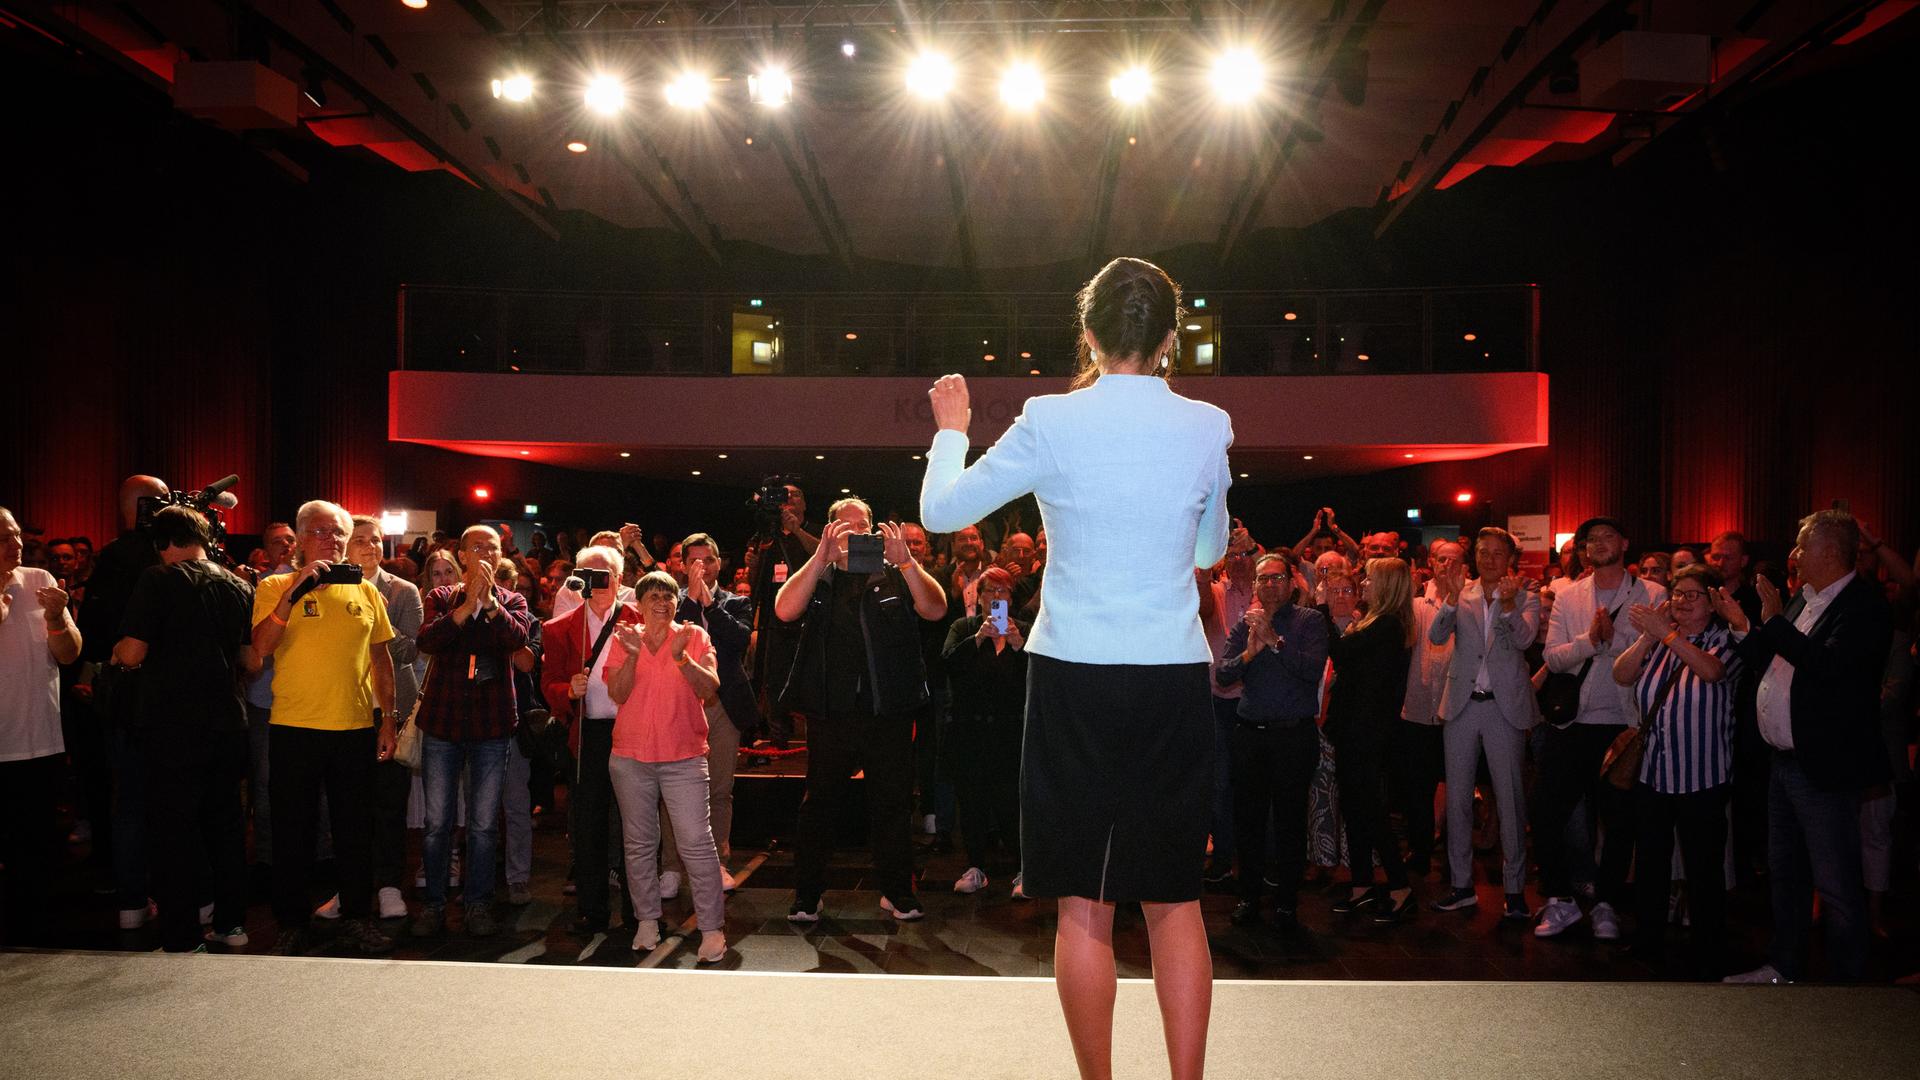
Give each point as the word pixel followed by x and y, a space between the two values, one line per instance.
pixel 574 692
pixel 1488 706
pixel 1818 707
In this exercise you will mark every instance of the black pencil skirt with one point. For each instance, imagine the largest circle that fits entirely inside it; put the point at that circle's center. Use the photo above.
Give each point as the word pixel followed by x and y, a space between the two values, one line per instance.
pixel 1116 780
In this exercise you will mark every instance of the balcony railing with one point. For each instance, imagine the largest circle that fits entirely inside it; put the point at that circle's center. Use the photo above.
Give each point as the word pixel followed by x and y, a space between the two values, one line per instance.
pixel 1298 332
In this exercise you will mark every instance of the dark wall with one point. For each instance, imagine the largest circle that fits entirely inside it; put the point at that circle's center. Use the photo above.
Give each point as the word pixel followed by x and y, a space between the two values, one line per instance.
pixel 1725 319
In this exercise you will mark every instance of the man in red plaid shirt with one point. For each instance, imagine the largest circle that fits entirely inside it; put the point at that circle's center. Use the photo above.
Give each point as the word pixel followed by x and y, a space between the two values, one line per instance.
pixel 467 713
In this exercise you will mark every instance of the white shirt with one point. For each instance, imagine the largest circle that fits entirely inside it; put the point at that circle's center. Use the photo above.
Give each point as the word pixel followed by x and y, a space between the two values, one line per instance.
pixel 1132 483
pixel 566 600
pixel 1427 671
pixel 29 679
pixel 1774 705
pixel 600 704
pixel 1230 605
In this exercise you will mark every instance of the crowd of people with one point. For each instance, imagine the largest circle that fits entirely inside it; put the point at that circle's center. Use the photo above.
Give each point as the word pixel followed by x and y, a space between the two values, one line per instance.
pixel 1649 728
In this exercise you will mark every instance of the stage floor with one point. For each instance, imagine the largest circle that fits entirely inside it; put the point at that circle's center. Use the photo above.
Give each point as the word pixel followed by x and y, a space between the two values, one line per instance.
pixel 158 1016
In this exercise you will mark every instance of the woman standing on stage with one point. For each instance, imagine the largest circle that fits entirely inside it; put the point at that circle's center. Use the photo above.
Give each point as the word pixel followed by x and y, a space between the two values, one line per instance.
pixel 1116 765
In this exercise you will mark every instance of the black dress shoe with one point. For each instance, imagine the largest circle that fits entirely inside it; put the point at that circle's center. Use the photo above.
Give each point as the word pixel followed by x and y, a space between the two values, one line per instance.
pixel 1286 919
pixel 1350 903
pixel 587 925
pixel 1391 912
pixel 1245 913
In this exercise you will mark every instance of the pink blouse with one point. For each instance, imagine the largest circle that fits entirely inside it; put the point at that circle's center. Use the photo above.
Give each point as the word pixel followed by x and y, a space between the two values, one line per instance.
pixel 662 720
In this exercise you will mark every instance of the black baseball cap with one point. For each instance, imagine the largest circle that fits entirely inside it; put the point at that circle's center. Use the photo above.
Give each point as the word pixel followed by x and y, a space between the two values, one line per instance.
pixel 1580 534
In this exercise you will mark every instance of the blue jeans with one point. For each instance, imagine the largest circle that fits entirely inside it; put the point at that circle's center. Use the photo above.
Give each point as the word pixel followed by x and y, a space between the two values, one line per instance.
pixel 440 765
pixel 1813 843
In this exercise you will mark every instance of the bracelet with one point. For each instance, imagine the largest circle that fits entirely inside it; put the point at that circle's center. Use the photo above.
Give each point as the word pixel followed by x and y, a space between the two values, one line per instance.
pixel 683 661
pixel 56 631
pixel 276 618
pixel 1671 634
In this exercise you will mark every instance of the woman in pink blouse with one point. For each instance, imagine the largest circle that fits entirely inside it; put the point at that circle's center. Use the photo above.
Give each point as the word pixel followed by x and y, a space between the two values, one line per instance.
pixel 658 673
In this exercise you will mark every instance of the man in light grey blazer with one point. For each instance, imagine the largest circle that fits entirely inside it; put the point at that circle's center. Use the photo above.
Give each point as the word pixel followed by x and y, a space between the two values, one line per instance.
pixel 1488 707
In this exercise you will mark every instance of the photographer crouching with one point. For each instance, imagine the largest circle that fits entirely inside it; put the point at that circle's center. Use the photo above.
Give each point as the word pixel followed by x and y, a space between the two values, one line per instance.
pixel 187 628
pixel 326 628
pixel 860 679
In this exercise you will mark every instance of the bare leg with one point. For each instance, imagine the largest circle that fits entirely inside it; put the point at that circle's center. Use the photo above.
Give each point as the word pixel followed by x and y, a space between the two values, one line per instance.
pixel 1183 981
pixel 1083 974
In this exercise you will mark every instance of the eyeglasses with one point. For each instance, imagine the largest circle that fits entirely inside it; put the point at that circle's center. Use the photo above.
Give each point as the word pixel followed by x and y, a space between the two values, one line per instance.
pixel 1269 579
pixel 1687 594
pixel 1341 590
pixel 326 532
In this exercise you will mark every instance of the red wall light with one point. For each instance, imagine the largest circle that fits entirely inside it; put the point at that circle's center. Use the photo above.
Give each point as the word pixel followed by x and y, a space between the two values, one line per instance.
pixel 482 493
pixel 1463 497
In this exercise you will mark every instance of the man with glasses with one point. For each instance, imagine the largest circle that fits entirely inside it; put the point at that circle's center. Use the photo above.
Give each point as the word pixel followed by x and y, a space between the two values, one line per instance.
pixel 333 721
pixel 1276 653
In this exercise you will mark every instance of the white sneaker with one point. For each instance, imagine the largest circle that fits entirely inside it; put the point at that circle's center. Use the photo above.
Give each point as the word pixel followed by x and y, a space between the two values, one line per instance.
pixel 1765 974
pixel 713 946
pixel 970 882
pixel 669 884
pixel 328 910
pixel 206 915
pixel 1019 887
pixel 727 883
pixel 1606 924
pixel 135 918
pixel 392 905
pixel 1559 914
pixel 647 938
pixel 234 938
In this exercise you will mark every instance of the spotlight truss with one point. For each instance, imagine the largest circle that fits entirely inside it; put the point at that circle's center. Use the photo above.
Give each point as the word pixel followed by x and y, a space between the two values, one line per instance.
pixel 755 20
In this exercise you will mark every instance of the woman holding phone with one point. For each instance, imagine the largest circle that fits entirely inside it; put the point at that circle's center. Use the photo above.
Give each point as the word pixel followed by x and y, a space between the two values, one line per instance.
pixel 985 660
pixel 1117 760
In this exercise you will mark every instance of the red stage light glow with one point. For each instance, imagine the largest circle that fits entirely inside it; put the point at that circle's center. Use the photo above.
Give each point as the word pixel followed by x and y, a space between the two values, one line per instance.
pixel 1463 497
pixel 482 493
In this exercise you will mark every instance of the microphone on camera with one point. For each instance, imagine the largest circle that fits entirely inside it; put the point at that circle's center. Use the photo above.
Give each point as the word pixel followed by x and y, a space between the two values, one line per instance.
pixel 219 487
pixel 575 584
pixel 226 500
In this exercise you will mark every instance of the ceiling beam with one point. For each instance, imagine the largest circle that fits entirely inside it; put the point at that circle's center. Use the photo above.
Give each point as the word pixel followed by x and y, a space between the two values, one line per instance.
pixel 1110 163
pixel 1297 122
pixel 788 137
pixel 1551 35
pixel 957 190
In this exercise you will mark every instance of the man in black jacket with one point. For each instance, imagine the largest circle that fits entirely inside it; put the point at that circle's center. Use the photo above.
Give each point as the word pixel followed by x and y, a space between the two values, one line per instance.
pixel 860 679
pixel 1820 659
pixel 188 627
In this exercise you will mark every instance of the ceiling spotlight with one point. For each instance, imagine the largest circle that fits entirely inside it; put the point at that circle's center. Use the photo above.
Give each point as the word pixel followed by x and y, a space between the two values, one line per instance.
pixel 688 90
pixel 1131 86
pixel 1363 358
pixel 1238 75
pixel 1022 87
pixel 606 94
pixel 1306 457
pixel 626 453
pixel 930 76
pixel 416 5
pixel 819 457
pixel 988 358
pixel 695 472
pixel 516 87
pixel 577 146
pixel 722 457
pixel 1243 476
pixel 1470 337
pixel 1291 316
pixel 770 86
pixel 853 337
pixel 848 49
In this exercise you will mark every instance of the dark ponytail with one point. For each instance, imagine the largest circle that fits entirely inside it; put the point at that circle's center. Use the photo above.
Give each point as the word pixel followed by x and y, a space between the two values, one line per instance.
pixel 1130 307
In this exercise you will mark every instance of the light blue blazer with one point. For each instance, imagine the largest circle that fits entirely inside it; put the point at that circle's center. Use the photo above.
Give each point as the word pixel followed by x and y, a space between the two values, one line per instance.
pixel 1132 482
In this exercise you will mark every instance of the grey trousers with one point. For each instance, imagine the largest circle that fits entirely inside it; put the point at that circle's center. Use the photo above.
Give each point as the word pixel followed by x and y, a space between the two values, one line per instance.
pixel 640 787
pixel 1480 728
pixel 723 753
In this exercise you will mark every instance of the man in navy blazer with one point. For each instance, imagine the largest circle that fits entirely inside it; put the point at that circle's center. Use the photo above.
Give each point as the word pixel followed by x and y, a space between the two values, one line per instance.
pixel 1820 660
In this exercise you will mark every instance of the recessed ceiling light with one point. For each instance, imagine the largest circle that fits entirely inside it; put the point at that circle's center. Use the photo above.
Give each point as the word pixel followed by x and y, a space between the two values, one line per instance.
pixel 1193 326
pixel 846 491
pixel 1291 315
pixel 524 453
pixel 1406 455
pixel 1306 457
pixel 1033 371
pixel 722 457
pixel 916 457
pixel 853 337
pixel 624 453
pixel 696 472
pixel 577 146
pixel 988 358
pixel 1469 337
pixel 819 457
pixel 415 4
pixel 1243 476
pixel 1363 357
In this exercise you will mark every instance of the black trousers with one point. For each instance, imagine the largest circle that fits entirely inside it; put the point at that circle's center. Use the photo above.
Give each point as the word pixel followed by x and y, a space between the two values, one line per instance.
pixel 838 746
pixel 90 753
pixel 592 804
pixel 196 828
pixel 392 783
pixel 30 844
pixel 1752 779
pixel 1569 770
pixel 1360 770
pixel 982 755
pixel 1272 770
pixel 1700 817
pixel 1416 763
pixel 306 762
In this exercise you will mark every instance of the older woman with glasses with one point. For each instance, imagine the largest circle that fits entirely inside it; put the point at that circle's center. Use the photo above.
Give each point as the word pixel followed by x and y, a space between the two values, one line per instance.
pixel 1682 670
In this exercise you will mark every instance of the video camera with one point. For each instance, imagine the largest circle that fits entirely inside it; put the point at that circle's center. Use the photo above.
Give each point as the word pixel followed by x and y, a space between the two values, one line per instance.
pixel 768 500
pixel 587 580
pixel 340 573
pixel 209 501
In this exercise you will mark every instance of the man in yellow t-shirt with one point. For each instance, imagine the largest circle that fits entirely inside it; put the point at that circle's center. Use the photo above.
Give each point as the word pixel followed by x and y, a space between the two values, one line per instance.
pixel 332 721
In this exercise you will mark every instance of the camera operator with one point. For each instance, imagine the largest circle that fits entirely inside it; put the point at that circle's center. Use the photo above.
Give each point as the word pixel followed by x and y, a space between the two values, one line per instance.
pixel 121 834
pixel 188 630
pixel 333 686
pixel 732 711
pixel 467 714
pixel 859 676
pixel 775 552
pixel 574 679
pixel 31 747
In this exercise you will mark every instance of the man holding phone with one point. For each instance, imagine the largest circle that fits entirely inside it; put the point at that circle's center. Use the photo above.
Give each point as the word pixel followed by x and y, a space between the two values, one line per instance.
pixel 860 679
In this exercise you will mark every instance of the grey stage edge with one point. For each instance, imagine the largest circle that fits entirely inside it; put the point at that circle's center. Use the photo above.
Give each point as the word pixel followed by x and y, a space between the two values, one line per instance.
pixel 151 1016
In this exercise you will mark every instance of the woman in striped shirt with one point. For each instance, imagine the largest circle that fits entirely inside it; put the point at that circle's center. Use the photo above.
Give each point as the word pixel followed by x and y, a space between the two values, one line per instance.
pixel 1683 672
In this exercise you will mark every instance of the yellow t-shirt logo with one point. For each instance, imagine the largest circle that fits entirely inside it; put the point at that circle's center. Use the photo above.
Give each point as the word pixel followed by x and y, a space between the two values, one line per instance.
pixel 310 608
